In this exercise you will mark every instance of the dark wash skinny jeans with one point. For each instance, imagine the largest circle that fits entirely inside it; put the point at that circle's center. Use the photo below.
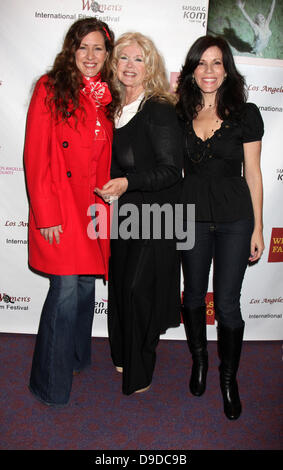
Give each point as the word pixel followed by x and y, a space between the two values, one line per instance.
pixel 228 245
pixel 63 342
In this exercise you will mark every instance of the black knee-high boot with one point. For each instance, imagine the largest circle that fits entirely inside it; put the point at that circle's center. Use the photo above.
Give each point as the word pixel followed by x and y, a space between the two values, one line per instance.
pixel 229 347
pixel 195 327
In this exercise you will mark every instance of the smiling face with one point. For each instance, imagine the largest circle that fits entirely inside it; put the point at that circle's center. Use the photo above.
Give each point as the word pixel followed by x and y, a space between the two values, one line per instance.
pixel 91 54
pixel 210 73
pixel 131 67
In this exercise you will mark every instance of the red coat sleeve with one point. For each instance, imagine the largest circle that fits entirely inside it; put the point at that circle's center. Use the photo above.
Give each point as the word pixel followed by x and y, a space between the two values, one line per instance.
pixel 41 186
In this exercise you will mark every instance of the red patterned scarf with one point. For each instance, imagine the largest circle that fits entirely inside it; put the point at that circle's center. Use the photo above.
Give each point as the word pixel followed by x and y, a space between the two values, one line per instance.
pixel 97 90
pixel 99 94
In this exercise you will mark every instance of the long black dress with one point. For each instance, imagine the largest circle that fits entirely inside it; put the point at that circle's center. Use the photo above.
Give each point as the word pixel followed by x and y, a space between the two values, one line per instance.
pixel 144 278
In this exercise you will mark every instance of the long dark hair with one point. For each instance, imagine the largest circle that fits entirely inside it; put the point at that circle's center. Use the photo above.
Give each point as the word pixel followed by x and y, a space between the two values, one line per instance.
pixel 231 94
pixel 65 80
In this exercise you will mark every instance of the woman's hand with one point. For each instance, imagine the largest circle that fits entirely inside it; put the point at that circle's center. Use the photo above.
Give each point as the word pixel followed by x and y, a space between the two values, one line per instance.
pixel 257 245
pixel 50 232
pixel 113 189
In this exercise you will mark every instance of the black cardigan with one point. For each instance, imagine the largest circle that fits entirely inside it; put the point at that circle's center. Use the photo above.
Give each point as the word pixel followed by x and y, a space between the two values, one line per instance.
pixel 154 140
pixel 148 151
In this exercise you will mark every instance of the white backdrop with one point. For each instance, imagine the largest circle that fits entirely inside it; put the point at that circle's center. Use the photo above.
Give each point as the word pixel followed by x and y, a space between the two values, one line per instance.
pixel 31 36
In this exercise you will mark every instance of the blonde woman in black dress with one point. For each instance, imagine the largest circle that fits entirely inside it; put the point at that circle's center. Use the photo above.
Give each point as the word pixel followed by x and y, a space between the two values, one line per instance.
pixel 144 286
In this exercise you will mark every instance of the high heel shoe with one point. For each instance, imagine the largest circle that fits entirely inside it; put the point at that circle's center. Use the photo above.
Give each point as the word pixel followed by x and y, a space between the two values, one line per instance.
pixel 141 390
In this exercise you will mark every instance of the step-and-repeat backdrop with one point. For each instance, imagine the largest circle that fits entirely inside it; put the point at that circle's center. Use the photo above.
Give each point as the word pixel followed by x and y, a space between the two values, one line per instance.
pixel 31 36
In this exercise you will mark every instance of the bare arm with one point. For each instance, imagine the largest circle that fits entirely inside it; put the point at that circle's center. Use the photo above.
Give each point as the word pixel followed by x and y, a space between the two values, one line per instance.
pixel 271 12
pixel 253 177
pixel 241 6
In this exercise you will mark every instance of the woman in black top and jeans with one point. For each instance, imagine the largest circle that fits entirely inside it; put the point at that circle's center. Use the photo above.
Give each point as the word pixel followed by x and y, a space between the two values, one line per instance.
pixel 222 146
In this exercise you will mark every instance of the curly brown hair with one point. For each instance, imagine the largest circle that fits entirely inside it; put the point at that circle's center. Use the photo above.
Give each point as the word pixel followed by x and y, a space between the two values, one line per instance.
pixel 65 80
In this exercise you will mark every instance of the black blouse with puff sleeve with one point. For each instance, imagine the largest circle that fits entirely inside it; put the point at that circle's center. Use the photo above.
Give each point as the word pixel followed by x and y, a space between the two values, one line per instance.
pixel 213 168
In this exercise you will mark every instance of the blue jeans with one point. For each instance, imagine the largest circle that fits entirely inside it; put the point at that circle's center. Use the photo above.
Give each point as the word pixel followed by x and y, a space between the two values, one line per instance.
pixel 63 342
pixel 228 245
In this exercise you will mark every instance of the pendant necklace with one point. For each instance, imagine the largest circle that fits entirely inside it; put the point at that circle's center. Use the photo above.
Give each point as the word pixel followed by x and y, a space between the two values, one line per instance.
pixel 216 121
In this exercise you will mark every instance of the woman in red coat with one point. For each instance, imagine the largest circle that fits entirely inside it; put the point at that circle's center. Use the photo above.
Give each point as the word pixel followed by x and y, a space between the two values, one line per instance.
pixel 67 154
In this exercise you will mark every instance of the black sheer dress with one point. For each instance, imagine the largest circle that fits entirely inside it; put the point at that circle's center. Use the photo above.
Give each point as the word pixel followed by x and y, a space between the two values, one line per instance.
pixel 144 278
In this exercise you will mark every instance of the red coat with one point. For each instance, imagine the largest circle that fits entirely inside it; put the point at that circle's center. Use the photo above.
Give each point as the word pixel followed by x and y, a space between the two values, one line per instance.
pixel 63 165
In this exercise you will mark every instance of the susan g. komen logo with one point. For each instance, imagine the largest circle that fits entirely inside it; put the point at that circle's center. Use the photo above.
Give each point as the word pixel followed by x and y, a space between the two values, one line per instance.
pixel 276 246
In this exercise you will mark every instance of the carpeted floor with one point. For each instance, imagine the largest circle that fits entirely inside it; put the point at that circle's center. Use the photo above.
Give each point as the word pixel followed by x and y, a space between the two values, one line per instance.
pixel 165 417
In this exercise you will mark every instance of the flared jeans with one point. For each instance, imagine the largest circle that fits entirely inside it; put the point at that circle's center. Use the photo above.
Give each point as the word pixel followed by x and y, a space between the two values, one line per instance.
pixel 63 343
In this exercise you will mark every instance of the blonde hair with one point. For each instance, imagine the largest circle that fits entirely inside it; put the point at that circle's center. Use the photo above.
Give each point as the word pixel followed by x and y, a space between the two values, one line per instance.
pixel 155 81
